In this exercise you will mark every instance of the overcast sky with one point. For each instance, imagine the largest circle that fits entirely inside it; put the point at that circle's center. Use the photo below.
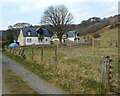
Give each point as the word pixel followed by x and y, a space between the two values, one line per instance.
pixel 13 11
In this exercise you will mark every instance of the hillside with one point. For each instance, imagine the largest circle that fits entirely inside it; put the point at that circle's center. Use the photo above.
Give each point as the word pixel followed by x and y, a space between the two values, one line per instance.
pixel 91 25
pixel 95 24
pixel 108 37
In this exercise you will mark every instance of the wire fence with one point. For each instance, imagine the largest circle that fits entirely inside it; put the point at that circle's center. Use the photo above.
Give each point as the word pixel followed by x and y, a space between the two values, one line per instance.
pixel 69 59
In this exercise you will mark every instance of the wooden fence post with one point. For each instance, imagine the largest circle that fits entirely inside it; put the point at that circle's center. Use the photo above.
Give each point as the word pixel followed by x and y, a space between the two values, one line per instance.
pixel 5 48
pixel 23 54
pixel 114 80
pixel 105 71
pixel 42 54
pixel 56 54
pixel 10 50
pixel 15 52
pixel 32 53
pixel 20 51
pixel 110 76
pixel 116 43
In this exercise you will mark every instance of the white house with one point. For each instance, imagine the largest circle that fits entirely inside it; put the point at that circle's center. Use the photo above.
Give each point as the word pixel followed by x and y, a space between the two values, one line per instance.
pixel 73 35
pixel 30 36
pixel 55 38
pixel 70 35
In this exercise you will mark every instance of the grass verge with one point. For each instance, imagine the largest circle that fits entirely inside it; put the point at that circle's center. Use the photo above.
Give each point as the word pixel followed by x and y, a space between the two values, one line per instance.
pixel 68 80
pixel 15 84
pixel 34 67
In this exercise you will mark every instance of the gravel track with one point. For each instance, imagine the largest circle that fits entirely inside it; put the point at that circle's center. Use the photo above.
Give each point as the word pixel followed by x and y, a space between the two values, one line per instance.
pixel 38 84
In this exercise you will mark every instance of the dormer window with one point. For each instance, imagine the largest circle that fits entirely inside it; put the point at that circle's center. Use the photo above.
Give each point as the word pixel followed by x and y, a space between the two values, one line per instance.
pixel 28 32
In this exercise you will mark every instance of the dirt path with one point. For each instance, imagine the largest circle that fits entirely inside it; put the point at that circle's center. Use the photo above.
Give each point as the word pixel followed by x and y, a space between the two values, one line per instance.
pixel 39 85
pixel 3 89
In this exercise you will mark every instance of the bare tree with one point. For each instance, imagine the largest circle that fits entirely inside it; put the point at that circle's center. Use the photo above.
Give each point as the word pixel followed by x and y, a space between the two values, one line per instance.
pixel 58 18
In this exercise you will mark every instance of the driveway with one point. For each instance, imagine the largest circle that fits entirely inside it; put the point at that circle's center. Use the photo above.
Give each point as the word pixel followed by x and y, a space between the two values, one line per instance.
pixel 38 84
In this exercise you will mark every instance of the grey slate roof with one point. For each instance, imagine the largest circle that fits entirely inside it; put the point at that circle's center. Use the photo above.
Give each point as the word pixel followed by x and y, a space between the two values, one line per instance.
pixel 26 30
pixel 46 32
pixel 33 32
pixel 69 33
pixel 63 37
pixel 55 36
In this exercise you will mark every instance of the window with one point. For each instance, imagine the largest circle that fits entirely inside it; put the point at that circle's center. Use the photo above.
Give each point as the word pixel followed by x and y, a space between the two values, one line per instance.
pixel 40 38
pixel 46 39
pixel 29 40
pixel 29 33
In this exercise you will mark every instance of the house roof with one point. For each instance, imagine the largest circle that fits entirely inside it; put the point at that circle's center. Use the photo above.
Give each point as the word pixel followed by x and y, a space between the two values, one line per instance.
pixel 63 37
pixel 32 32
pixel 43 32
pixel 46 32
pixel 55 36
pixel 69 34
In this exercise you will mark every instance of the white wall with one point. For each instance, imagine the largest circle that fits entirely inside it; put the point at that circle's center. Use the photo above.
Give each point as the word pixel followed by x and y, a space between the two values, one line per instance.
pixel 35 40
pixel 55 39
pixel 21 39
pixel 71 39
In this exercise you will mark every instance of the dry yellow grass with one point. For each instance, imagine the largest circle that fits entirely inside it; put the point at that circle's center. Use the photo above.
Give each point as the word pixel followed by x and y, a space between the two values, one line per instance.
pixel 73 66
pixel 15 84
pixel 76 64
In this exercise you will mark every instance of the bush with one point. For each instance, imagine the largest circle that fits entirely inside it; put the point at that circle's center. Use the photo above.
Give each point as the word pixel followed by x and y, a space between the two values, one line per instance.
pixel 115 25
pixel 5 43
pixel 96 35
